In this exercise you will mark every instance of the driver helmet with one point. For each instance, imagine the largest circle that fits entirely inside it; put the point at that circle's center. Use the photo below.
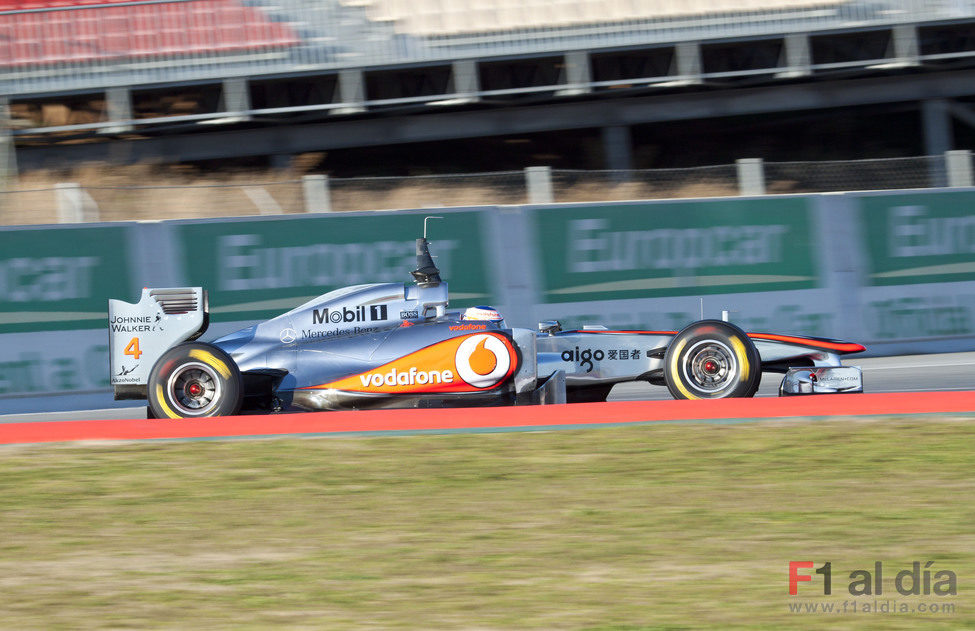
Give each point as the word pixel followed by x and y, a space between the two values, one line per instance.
pixel 483 314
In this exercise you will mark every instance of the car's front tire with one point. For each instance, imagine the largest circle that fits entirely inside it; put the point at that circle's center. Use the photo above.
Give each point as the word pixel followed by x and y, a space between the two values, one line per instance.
pixel 194 380
pixel 712 359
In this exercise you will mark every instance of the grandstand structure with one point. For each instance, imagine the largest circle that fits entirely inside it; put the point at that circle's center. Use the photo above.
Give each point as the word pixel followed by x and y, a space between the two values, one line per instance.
pixel 211 79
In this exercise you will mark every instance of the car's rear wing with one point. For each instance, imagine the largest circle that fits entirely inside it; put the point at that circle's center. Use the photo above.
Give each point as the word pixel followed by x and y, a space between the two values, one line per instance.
pixel 138 334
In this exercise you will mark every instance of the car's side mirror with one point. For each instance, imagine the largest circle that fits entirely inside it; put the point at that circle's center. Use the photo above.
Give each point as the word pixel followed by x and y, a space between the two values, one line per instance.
pixel 549 327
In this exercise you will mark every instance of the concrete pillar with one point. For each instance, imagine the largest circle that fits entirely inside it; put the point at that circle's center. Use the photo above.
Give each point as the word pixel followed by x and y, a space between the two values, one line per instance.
pixel 618 148
pixel 687 56
pixel 905 44
pixel 318 198
pixel 937 137
pixel 797 57
pixel 8 166
pixel 74 204
pixel 576 74
pixel 70 205
pixel 8 157
pixel 751 176
pixel 467 84
pixel 539 183
pixel 237 96
pixel 263 201
pixel 8 153
pixel 959 166
pixel 352 92
pixel 119 104
pixel 937 127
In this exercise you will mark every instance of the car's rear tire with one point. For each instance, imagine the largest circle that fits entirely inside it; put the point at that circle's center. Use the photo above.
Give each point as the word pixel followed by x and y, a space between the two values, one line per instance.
pixel 712 359
pixel 194 380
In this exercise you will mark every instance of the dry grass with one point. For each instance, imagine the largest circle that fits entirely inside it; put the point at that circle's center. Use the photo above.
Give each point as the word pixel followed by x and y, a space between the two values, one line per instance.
pixel 607 191
pixel 670 526
pixel 422 195
pixel 147 192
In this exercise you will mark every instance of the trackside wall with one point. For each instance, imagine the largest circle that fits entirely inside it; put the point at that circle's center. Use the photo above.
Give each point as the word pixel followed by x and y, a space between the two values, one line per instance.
pixel 894 270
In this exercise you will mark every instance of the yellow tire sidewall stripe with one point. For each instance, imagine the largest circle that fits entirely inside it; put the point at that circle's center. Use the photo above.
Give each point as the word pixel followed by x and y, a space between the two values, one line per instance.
pixel 675 371
pixel 161 400
pixel 208 358
pixel 743 364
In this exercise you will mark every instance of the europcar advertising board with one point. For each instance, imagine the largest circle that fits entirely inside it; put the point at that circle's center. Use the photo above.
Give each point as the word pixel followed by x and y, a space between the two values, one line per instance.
pixel 662 265
pixel 53 362
pixel 920 238
pixel 802 312
pixel 258 269
pixel 901 280
pixel 680 248
pixel 920 254
pixel 59 278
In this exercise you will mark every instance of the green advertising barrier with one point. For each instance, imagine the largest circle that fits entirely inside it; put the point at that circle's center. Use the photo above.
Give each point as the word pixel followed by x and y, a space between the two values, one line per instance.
pixel 53 362
pixel 59 278
pixel 258 269
pixel 924 240
pixel 618 251
pixel 920 238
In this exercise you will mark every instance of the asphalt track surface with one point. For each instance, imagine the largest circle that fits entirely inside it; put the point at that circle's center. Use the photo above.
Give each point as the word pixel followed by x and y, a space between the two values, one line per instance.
pixel 907 373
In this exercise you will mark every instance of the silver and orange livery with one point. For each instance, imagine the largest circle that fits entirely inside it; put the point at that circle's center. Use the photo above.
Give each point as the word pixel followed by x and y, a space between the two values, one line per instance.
pixel 397 345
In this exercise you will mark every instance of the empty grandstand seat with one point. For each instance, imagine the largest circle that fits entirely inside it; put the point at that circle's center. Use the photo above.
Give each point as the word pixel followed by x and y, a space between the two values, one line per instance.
pixel 131 30
pixel 456 17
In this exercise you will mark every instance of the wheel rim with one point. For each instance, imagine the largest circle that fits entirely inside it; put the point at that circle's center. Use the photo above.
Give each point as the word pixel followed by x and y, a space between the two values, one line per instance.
pixel 710 366
pixel 194 389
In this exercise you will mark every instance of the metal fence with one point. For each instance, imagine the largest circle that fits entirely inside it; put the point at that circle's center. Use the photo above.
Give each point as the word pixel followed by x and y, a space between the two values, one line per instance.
pixel 61 48
pixel 592 186
pixel 33 203
pixel 427 191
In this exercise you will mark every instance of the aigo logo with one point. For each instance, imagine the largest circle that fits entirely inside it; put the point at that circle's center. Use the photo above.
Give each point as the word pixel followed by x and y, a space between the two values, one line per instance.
pixel 483 360
pixel 467 363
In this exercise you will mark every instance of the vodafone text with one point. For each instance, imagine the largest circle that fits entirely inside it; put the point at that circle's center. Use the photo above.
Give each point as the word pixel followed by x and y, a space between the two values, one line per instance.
pixel 406 377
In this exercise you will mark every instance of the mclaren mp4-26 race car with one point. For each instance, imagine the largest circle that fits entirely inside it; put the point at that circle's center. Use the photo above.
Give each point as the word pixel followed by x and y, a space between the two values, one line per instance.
pixel 392 345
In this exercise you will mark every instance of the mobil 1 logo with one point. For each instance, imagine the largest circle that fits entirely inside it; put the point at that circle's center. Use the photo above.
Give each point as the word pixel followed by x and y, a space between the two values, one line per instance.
pixel 356 314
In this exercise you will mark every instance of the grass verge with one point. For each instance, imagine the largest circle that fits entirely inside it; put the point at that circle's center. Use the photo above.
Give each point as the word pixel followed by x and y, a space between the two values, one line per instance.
pixel 652 527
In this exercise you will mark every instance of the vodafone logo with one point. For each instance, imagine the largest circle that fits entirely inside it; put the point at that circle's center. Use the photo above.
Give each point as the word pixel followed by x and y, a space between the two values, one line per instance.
pixel 466 363
pixel 482 360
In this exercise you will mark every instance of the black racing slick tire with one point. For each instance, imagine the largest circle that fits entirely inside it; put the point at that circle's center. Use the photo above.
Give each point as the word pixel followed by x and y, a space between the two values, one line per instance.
pixel 712 359
pixel 194 380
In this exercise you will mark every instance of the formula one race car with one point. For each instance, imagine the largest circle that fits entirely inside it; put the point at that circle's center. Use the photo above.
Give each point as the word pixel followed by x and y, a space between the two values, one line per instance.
pixel 394 345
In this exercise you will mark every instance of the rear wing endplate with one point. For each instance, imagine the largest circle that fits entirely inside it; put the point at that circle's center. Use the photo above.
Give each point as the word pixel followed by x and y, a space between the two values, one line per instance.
pixel 138 334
